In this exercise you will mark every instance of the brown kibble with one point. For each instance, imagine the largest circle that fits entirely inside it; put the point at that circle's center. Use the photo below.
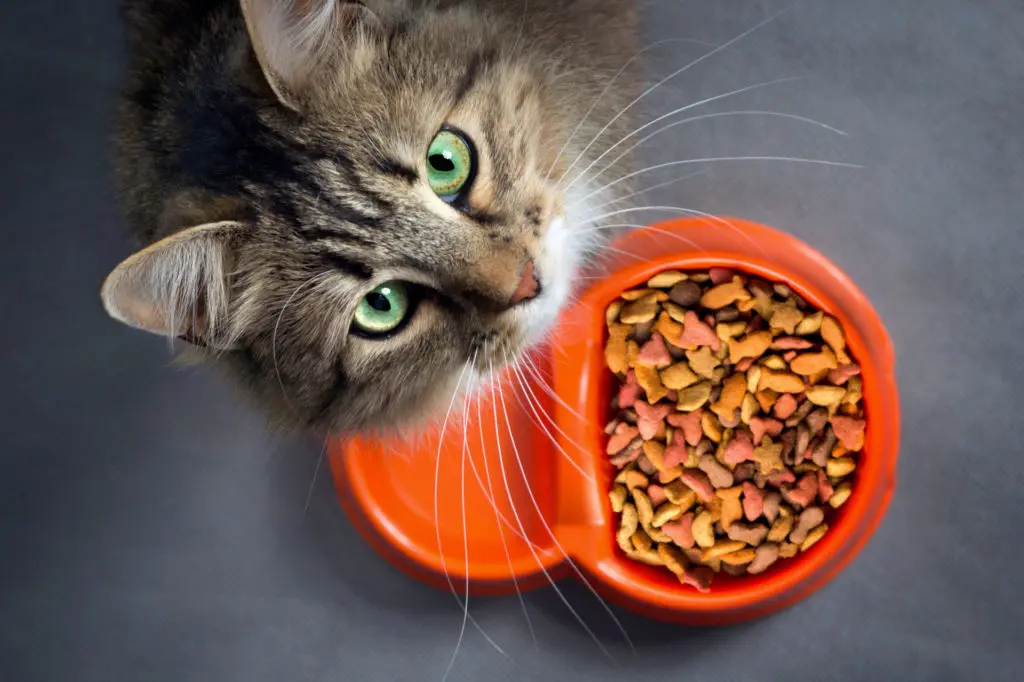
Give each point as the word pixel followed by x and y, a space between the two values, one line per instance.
pixel 703 531
pixel 730 330
pixel 635 479
pixel 649 556
pixel 809 518
pixel 748 408
pixel 824 395
pixel 680 494
pixel 840 466
pixel 611 313
pixel 725 294
pixel 832 333
pixel 650 382
pixel 666 279
pixel 694 397
pixel 644 509
pixel 703 362
pixel 685 294
pixel 673 558
pixel 618 498
pixel 637 294
pixel 809 364
pixel 788 550
pixel 668 328
pixel 810 324
pixel 665 513
pixel 841 495
pixel 720 549
pixel 774 362
pixel 632 352
pixel 730 506
pixel 655 451
pixel 812 537
pixel 615 350
pixel 711 426
pixel 744 556
pixel 640 310
pixel 641 541
pixel 678 376
pixel 768 456
pixel 765 555
pixel 785 317
pixel 668 475
pixel 781 382
pixel 772 502
pixel 753 378
pixel 733 390
pixel 751 534
pixel 780 528
pixel 719 476
pixel 767 399
pixel 750 346
pixel 629 522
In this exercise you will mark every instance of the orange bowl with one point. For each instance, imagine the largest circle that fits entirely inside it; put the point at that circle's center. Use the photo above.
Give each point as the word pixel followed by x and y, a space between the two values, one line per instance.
pixel 511 490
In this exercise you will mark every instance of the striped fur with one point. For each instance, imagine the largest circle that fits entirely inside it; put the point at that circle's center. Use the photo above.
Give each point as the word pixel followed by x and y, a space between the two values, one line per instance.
pixel 288 141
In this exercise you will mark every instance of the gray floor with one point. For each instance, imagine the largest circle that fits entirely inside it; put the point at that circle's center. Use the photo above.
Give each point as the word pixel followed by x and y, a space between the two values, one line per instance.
pixel 150 530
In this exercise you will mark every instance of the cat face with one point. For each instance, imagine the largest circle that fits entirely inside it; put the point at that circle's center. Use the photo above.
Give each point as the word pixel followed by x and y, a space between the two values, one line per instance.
pixel 405 236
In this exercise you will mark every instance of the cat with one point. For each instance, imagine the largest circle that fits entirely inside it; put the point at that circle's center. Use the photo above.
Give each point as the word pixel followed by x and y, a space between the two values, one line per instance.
pixel 355 208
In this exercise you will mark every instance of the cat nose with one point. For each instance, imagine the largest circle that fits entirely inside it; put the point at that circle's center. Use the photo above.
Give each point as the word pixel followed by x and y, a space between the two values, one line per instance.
pixel 528 287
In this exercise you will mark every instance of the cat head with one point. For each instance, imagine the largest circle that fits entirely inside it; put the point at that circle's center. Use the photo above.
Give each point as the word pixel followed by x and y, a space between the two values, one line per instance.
pixel 398 227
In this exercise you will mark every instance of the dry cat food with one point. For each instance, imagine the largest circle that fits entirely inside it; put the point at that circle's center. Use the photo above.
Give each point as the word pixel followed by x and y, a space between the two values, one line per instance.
pixel 738 420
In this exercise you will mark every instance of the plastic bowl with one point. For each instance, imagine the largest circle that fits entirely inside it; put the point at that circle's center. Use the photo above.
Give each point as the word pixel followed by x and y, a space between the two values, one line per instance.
pixel 519 496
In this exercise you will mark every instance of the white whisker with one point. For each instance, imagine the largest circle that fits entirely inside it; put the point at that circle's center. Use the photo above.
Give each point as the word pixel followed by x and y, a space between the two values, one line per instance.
pixel 312 484
pixel 608 87
pixel 666 183
pixel 715 159
pixel 277 326
pixel 659 119
pixel 515 513
pixel 695 62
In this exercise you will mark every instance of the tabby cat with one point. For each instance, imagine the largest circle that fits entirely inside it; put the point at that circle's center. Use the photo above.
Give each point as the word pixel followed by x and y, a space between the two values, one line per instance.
pixel 348 204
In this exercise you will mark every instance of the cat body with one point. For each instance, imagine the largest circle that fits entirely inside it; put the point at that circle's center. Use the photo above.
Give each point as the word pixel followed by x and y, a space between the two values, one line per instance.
pixel 355 208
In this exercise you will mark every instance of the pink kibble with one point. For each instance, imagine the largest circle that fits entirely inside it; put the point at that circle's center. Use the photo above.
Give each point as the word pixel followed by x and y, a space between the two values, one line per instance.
pixel 654 352
pixel 739 449
pixel 841 375
pixel 782 478
pixel 803 493
pixel 791 343
pixel 675 454
pixel 753 501
pixel 624 434
pixel 657 494
pixel 699 577
pixel 785 406
pixel 649 417
pixel 721 275
pixel 849 431
pixel 772 501
pixel 689 422
pixel 629 391
pixel 672 396
pixel 699 483
pixel 744 364
pixel 825 489
pixel 697 333
pixel 765 426
pixel 681 530
pixel 624 458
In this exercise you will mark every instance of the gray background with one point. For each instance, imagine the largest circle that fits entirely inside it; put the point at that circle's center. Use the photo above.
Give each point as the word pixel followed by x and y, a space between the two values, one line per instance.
pixel 151 530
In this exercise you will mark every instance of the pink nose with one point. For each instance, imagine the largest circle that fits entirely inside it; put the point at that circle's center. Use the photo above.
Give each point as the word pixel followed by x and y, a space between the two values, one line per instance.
pixel 528 286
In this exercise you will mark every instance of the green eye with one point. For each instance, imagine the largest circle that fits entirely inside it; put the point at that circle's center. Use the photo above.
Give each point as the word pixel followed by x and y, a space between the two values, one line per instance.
pixel 449 164
pixel 382 310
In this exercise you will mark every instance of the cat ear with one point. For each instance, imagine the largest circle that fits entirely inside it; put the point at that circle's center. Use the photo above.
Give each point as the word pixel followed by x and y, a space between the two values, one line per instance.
pixel 293 39
pixel 176 287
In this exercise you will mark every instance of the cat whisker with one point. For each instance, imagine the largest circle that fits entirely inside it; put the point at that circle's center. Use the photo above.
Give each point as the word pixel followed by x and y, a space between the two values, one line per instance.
pixel 501 533
pixel 312 484
pixel 533 403
pixel 554 539
pixel 716 159
pixel 604 92
pixel 540 564
pixel 666 79
pixel 535 372
pixel 692 119
pixel 709 219
pixel 277 326
pixel 465 532
pixel 437 525
pixel 659 119
pixel 666 183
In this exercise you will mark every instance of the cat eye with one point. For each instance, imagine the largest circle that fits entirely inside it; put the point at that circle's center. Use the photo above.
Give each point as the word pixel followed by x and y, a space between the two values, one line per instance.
pixel 383 310
pixel 450 165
